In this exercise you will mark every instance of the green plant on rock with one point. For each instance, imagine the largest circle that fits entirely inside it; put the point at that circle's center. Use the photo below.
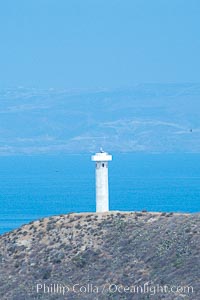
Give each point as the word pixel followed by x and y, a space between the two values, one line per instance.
pixel 79 261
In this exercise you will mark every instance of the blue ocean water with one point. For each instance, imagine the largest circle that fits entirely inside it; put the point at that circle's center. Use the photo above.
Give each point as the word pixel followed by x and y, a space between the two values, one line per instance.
pixel 32 187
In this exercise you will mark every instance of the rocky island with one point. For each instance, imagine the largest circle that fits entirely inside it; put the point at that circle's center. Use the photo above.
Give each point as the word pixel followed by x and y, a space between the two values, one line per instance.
pixel 115 255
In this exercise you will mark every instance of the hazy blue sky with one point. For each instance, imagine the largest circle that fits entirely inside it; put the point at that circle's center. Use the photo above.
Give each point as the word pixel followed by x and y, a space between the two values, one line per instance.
pixel 98 43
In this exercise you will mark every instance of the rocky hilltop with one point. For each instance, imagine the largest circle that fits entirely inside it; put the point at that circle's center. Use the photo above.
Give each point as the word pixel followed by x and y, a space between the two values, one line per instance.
pixel 103 256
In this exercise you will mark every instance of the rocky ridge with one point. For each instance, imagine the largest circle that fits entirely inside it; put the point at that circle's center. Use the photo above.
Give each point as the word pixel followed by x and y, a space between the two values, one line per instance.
pixel 98 255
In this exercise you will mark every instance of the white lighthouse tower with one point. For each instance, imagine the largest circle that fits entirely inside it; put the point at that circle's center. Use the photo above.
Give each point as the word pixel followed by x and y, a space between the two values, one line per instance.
pixel 102 199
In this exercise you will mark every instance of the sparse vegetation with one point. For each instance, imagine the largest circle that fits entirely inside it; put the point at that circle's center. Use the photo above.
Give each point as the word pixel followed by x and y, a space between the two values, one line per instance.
pixel 119 248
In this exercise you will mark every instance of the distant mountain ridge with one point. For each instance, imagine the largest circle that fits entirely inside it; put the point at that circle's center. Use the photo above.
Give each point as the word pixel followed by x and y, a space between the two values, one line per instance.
pixel 144 118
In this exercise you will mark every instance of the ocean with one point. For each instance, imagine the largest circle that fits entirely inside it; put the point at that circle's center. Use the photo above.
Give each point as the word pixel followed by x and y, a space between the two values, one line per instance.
pixel 32 187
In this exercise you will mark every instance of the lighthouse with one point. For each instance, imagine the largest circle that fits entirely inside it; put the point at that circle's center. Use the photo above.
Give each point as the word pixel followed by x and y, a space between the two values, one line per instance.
pixel 102 194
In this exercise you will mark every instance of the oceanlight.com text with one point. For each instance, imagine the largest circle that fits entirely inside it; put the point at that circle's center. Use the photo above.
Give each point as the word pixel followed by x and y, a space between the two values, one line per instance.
pixel 146 288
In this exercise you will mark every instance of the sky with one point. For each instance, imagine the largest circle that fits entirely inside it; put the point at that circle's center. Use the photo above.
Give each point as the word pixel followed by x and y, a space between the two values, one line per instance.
pixel 98 43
